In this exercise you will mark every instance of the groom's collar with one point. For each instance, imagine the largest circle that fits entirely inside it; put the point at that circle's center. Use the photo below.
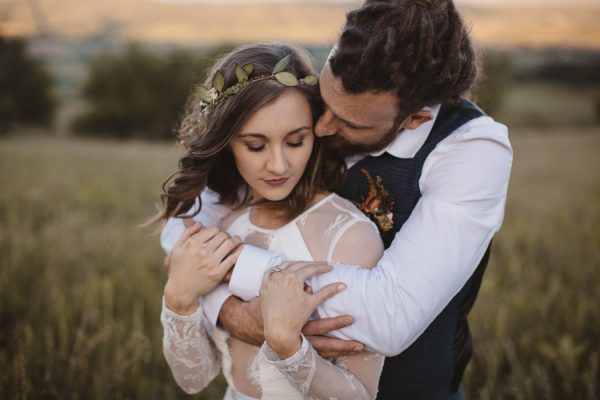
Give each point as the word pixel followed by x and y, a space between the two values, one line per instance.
pixel 408 142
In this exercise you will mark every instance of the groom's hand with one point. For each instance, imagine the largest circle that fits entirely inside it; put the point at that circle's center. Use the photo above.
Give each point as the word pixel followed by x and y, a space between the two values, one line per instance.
pixel 329 347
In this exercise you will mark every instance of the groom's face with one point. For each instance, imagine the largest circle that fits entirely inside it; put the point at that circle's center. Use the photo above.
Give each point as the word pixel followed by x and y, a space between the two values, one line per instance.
pixel 356 123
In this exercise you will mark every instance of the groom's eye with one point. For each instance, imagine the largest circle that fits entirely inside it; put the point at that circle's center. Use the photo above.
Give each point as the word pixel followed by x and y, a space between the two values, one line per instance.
pixel 348 125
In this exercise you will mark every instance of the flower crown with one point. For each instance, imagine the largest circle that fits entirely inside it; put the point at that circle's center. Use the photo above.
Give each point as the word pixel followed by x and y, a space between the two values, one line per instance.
pixel 216 95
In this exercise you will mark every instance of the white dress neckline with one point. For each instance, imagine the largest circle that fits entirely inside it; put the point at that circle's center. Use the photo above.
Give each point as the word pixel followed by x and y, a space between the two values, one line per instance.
pixel 302 214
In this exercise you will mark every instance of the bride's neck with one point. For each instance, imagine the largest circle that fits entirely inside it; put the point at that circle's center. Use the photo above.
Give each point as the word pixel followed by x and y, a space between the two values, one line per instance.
pixel 267 217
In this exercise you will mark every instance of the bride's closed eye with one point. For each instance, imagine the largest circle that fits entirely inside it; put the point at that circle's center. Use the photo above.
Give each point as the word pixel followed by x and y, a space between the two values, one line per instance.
pixel 296 140
pixel 296 143
pixel 255 147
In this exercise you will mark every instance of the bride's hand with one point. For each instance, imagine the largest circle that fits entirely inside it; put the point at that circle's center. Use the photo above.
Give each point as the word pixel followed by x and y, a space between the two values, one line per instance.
pixel 286 305
pixel 198 262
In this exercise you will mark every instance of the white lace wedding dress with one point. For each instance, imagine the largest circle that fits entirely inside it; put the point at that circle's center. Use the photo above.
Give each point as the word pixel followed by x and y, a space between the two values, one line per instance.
pixel 331 230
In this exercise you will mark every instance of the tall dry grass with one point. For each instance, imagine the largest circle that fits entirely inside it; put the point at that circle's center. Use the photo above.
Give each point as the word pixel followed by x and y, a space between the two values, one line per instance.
pixel 80 282
pixel 536 324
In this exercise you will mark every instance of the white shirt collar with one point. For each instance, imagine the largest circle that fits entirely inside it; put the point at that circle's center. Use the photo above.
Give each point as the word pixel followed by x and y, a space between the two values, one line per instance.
pixel 408 142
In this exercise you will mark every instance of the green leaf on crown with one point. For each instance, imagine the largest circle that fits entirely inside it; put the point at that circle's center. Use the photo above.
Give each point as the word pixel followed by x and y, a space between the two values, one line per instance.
pixel 311 80
pixel 218 81
pixel 248 68
pixel 281 64
pixel 242 75
pixel 203 93
pixel 286 79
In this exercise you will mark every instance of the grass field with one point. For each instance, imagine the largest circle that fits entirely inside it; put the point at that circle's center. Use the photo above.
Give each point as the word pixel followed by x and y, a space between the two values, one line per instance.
pixel 80 282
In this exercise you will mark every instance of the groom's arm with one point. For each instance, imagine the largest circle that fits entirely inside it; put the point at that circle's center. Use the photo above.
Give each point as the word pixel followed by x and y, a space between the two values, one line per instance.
pixel 435 252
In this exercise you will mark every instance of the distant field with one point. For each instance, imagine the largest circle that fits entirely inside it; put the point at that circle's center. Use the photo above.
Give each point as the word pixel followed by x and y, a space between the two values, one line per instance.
pixel 80 282
pixel 549 104
pixel 307 22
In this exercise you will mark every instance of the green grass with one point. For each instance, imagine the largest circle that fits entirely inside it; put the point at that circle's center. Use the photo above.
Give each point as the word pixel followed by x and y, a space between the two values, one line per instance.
pixel 80 282
pixel 547 104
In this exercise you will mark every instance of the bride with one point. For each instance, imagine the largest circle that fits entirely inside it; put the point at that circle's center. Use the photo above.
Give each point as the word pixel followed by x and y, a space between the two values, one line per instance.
pixel 249 138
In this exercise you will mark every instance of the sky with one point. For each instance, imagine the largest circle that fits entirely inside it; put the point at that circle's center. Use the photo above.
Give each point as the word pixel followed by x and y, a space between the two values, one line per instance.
pixel 470 2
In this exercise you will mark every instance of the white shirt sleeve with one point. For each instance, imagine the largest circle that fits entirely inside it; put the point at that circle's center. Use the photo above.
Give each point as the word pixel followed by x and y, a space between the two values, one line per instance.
pixel 463 184
pixel 251 265
pixel 210 215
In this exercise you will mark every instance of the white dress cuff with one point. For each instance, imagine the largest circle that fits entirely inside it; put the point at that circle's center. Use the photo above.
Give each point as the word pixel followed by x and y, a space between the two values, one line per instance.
pixel 195 316
pixel 249 270
pixel 213 302
pixel 290 363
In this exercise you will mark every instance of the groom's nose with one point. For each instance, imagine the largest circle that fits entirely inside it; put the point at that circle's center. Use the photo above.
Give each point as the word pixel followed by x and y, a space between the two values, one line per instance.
pixel 327 124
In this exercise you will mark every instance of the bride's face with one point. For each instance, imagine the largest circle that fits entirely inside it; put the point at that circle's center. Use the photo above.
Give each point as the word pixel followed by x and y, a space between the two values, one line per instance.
pixel 274 145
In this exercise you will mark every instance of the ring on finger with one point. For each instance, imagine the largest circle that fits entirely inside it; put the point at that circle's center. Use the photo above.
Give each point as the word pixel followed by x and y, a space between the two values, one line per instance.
pixel 276 268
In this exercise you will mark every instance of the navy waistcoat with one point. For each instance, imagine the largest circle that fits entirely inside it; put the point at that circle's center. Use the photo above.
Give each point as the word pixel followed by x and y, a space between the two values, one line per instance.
pixel 432 367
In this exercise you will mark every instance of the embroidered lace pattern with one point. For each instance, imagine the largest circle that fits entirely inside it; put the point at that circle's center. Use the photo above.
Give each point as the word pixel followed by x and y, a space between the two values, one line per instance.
pixel 319 379
pixel 195 355
pixel 189 351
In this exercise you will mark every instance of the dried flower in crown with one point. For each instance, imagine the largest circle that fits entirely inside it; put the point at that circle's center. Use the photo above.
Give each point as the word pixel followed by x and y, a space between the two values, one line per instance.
pixel 215 95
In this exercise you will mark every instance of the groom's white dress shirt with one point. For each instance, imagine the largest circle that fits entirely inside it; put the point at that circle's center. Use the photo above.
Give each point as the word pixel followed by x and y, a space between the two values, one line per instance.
pixel 464 182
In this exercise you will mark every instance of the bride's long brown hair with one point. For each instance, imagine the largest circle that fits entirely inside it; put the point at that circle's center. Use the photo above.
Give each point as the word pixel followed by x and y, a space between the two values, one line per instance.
pixel 208 162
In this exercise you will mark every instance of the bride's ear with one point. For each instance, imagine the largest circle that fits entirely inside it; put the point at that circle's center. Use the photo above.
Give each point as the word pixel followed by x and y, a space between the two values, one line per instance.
pixel 417 119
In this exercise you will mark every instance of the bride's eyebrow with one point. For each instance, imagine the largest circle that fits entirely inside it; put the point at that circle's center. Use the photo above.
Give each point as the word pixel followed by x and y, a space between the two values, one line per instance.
pixel 263 136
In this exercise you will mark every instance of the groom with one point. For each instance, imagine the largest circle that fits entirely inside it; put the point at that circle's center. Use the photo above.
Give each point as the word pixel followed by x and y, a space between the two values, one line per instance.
pixel 430 169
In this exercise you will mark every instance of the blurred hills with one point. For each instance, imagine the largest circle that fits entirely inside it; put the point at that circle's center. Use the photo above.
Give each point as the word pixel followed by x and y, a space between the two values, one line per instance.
pixel 310 22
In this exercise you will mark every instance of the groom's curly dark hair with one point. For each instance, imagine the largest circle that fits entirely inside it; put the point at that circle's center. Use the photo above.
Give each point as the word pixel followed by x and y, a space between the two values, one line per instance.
pixel 418 49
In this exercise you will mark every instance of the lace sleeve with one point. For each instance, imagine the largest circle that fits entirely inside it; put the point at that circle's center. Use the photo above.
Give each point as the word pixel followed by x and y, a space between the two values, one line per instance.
pixel 359 244
pixel 353 377
pixel 191 354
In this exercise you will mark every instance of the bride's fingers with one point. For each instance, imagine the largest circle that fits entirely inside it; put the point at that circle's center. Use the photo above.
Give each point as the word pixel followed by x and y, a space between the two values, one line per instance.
pixel 326 292
pixel 167 262
pixel 309 270
pixel 299 265
pixel 325 325
pixel 185 235
pixel 225 248
pixel 207 234
pixel 230 261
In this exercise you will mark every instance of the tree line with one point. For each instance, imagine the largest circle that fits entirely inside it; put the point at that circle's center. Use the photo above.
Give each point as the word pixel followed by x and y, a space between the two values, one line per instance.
pixel 137 93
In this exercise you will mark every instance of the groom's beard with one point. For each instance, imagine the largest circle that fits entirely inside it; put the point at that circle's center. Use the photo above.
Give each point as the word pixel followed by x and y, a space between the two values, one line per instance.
pixel 346 148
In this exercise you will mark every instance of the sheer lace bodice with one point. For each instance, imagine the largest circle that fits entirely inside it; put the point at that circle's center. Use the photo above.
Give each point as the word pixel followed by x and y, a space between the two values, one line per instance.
pixel 327 231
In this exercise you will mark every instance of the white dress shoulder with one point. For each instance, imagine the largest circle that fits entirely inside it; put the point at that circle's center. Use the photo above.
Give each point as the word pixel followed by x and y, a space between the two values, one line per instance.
pixel 332 230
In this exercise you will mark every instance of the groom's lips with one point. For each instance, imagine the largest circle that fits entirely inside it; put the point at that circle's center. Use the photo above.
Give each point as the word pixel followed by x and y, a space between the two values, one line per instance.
pixel 276 182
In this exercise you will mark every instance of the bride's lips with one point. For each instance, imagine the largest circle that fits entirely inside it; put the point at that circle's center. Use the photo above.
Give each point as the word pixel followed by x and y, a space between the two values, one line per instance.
pixel 276 182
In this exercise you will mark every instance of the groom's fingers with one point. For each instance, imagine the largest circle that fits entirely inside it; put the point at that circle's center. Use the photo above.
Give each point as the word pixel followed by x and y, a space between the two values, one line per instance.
pixel 329 347
pixel 325 325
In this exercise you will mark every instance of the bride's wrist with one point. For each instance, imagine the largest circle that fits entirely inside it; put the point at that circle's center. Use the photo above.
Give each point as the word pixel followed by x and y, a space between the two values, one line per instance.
pixel 285 347
pixel 178 303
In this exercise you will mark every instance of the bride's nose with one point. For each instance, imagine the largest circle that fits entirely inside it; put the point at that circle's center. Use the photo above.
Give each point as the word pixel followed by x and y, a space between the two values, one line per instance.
pixel 277 163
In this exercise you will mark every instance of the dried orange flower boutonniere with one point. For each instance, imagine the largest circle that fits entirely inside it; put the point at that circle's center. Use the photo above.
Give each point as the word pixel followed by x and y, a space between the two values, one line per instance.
pixel 379 204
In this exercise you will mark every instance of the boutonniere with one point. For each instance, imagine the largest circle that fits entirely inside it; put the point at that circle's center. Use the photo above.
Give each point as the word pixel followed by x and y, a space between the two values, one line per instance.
pixel 379 203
